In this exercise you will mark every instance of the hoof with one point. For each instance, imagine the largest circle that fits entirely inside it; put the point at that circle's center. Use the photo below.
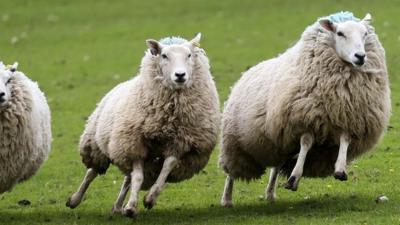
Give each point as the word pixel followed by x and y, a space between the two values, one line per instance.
pixel 270 198
pixel 227 204
pixel 342 176
pixel 130 212
pixel 116 210
pixel 148 203
pixel 71 204
pixel 291 183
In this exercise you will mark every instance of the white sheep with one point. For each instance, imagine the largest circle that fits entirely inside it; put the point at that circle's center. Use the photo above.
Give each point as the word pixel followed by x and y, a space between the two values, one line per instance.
pixel 158 127
pixel 25 133
pixel 329 92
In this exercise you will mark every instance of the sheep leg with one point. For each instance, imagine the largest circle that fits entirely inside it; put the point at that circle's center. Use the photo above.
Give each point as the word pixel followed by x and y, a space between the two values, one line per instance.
pixel 226 200
pixel 306 142
pixel 76 198
pixel 117 208
pixel 270 191
pixel 341 162
pixel 130 209
pixel 169 164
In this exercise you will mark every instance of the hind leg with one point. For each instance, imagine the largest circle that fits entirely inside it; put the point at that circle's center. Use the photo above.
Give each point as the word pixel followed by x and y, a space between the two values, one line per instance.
pixel 341 162
pixel 130 209
pixel 96 162
pixel 117 208
pixel 76 198
pixel 226 200
pixel 270 190
pixel 169 164
pixel 306 142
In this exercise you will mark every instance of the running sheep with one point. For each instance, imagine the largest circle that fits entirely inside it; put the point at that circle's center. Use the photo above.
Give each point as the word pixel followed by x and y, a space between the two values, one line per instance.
pixel 158 127
pixel 25 130
pixel 310 111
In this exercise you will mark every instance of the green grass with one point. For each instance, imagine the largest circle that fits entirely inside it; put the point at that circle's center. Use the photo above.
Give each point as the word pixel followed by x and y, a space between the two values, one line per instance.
pixel 78 50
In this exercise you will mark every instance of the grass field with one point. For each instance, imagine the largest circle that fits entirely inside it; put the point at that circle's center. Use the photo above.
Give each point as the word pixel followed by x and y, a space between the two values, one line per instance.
pixel 78 50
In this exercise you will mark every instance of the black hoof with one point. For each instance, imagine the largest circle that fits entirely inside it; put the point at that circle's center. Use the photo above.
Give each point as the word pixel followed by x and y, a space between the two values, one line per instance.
pixel 291 184
pixel 148 204
pixel 131 213
pixel 342 176
pixel 68 204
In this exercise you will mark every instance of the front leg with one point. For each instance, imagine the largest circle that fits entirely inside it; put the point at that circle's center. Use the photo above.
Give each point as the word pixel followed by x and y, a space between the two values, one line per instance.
pixel 130 209
pixel 270 191
pixel 306 142
pixel 169 164
pixel 341 162
pixel 226 200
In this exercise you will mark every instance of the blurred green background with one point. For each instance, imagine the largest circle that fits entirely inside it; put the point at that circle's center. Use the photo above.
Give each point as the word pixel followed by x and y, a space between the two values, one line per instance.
pixel 79 50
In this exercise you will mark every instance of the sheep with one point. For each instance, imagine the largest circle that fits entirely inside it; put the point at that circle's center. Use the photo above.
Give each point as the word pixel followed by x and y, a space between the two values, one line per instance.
pixel 25 130
pixel 330 92
pixel 158 127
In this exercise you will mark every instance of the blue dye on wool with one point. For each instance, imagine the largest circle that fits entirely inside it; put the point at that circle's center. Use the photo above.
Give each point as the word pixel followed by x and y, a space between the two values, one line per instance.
pixel 341 17
pixel 172 41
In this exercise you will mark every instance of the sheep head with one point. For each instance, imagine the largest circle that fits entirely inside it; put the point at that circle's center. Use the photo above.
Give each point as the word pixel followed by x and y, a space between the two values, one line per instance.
pixel 6 75
pixel 349 37
pixel 175 57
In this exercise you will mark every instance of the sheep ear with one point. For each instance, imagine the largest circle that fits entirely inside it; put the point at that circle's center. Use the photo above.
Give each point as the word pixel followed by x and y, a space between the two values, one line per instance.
pixel 154 46
pixel 367 19
pixel 328 25
pixel 14 66
pixel 195 42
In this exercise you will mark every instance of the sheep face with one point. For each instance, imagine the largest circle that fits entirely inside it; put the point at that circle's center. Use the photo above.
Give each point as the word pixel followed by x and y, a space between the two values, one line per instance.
pixel 175 61
pixel 6 75
pixel 176 65
pixel 349 39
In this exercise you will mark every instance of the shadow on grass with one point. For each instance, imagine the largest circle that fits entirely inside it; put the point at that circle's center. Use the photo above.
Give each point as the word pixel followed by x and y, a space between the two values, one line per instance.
pixel 316 208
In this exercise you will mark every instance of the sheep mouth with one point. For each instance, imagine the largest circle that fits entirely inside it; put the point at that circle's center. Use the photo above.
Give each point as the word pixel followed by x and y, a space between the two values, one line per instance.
pixel 3 100
pixel 359 63
pixel 180 80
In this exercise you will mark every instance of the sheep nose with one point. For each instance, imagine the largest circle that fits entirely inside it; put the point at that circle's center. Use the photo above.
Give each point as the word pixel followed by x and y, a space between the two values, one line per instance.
pixel 180 75
pixel 360 57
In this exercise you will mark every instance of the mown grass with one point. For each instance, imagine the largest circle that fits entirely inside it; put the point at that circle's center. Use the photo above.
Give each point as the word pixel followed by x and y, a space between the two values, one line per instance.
pixel 78 50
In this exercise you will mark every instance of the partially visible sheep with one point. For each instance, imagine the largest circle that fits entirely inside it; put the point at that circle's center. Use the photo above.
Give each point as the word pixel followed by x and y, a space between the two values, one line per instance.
pixel 330 92
pixel 160 126
pixel 25 133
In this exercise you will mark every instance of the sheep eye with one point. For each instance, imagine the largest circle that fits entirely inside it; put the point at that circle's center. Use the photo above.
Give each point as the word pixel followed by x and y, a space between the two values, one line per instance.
pixel 8 81
pixel 365 34
pixel 190 55
pixel 164 56
pixel 340 34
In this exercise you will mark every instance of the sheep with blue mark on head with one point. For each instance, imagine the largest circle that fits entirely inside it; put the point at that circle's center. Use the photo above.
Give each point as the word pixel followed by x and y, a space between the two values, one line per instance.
pixel 25 130
pixel 158 127
pixel 311 110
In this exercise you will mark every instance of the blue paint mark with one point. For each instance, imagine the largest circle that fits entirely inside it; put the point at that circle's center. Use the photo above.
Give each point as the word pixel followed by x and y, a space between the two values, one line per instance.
pixel 341 17
pixel 172 41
